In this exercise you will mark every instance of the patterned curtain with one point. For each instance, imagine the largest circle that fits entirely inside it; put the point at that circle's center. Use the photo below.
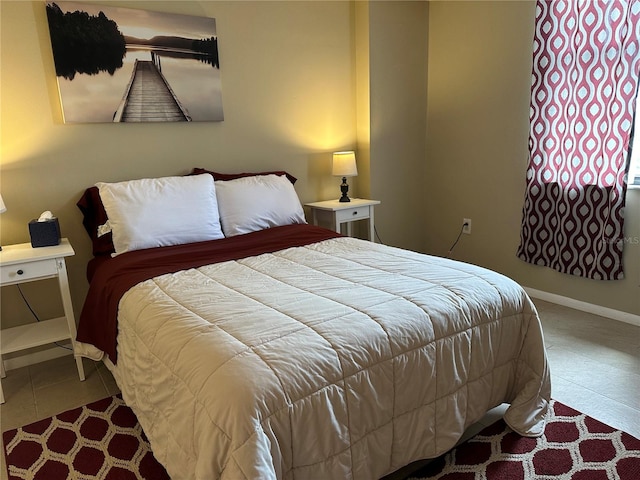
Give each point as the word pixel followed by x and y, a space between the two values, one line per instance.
pixel 586 58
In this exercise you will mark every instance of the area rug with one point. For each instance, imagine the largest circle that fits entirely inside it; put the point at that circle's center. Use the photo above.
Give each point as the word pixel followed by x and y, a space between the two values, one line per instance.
pixel 574 447
pixel 103 440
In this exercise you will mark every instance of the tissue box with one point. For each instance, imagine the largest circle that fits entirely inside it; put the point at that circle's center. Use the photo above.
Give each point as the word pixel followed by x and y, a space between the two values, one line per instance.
pixel 44 234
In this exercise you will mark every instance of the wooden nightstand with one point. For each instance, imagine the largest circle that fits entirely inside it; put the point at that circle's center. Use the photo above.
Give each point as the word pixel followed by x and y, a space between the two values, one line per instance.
pixel 335 213
pixel 22 263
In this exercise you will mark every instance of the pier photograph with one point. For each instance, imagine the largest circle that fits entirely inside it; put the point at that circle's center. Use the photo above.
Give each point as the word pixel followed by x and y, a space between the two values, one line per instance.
pixel 126 65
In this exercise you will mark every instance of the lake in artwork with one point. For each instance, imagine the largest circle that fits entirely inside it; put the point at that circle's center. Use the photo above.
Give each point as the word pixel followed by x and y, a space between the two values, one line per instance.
pixel 124 65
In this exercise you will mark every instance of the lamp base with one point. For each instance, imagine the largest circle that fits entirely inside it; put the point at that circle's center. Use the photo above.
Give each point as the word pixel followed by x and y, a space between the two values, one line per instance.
pixel 344 188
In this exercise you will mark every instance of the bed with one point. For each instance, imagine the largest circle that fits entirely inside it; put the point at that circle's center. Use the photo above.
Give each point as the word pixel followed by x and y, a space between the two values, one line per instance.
pixel 288 351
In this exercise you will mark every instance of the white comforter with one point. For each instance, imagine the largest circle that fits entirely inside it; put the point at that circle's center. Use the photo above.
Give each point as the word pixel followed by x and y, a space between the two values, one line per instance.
pixel 340 359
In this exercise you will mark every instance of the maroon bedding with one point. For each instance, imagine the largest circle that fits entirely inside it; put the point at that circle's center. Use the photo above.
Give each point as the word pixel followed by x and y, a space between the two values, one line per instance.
pixel 111 279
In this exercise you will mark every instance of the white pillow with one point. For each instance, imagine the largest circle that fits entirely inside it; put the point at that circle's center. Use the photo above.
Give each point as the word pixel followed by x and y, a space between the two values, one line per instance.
pixel 254 203
pixel 155 212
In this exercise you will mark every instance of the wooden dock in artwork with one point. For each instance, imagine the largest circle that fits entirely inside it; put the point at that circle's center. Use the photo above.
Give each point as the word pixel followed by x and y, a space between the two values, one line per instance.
pixel 149 98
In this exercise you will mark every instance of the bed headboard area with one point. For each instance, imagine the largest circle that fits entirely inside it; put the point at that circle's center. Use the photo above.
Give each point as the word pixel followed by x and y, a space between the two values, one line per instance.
pixel 140 192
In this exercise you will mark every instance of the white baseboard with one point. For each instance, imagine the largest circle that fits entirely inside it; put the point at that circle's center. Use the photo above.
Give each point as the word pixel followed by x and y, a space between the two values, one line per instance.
pixel 621 316
pixel 32 358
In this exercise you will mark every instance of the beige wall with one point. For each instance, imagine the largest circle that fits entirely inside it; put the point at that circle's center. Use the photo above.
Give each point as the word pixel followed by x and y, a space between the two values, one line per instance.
pixel 289 101
pixel 398 35
pixel 479 85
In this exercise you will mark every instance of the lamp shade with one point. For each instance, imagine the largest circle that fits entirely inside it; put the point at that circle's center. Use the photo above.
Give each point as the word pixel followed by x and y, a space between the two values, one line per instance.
pixel 3 208
pixel 344 164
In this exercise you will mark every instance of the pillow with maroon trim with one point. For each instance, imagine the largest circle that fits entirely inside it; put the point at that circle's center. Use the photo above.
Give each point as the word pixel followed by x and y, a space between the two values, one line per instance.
pixel 157 212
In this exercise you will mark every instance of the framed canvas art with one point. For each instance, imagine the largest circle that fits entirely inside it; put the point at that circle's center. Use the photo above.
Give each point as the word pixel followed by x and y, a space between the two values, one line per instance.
pixel 125 65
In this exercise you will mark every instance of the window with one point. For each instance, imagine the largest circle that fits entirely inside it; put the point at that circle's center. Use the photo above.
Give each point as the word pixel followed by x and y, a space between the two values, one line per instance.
pixel 634 168
pixel 634 171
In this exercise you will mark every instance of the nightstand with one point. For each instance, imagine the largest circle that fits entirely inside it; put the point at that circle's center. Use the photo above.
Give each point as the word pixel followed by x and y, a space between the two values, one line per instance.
pixel 335 213
pixel 22 263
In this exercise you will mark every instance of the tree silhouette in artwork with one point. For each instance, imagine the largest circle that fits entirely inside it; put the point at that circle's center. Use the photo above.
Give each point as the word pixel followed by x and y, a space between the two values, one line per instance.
pixel 84 43
pixel 208 46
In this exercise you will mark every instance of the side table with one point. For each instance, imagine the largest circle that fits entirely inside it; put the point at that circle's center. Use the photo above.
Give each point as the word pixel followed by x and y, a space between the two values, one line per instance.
pixel 335 213
pixel 22 263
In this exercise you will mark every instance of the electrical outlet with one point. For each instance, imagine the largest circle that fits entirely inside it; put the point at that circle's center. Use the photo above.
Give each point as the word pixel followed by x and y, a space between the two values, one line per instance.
pixel 466 226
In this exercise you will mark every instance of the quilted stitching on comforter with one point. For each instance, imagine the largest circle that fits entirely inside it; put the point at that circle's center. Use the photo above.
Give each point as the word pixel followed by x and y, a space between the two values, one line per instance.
pixel 340 359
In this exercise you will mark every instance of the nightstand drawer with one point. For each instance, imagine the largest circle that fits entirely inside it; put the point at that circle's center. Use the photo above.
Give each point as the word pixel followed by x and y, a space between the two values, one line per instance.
pixel 23 272
pixel 355 213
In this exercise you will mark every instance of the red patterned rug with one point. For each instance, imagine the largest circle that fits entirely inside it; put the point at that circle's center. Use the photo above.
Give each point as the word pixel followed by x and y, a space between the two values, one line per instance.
pixel 103 440
pixel 574 447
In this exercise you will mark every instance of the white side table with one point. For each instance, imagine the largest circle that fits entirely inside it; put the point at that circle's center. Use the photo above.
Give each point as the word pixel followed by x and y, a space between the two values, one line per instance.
pixel 22 263
pixel 335 213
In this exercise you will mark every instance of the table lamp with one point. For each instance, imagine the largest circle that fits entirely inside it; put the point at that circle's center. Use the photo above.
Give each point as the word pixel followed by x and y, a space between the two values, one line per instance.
pixel 344 165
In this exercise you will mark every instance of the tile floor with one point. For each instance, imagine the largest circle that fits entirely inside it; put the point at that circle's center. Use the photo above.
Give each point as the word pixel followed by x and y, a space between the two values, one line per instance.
pixel 595 367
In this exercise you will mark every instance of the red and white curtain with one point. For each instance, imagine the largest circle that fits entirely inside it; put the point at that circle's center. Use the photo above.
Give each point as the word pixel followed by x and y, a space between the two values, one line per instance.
pixel 585 79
